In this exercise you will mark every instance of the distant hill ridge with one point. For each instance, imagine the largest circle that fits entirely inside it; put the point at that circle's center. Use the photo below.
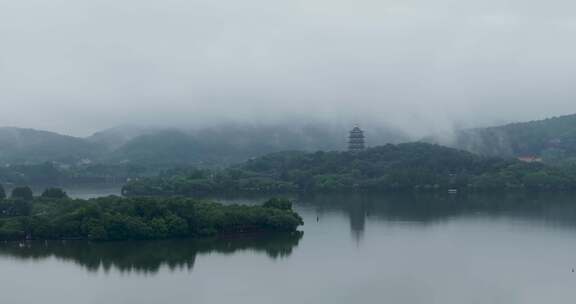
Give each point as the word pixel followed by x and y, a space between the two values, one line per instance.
pixel 553 139
pixel 19 145
pixel 221 145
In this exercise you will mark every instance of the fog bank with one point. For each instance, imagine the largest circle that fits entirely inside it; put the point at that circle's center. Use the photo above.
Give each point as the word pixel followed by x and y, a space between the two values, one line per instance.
pixel 425 67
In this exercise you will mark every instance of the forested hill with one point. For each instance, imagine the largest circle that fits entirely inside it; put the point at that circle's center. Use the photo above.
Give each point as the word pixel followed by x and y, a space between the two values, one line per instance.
pixel 403 167
pixel 220 145
pixel 19 145
pixel 553 139
pixel 234 143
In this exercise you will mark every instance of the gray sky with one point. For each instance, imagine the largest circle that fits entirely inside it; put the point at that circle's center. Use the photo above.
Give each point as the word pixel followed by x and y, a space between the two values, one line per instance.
pixel 76 66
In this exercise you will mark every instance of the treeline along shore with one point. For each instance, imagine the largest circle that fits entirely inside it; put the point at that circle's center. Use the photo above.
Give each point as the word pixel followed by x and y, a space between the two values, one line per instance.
pixel 410 167
pixel 54 215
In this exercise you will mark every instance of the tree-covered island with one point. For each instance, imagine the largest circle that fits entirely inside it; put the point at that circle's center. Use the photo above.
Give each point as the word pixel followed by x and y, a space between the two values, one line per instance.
pixel 390 168
pixel 55 216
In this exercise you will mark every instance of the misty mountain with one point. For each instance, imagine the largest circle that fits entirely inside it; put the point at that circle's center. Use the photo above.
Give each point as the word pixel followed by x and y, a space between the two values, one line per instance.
pixel 552 139
pixel 19 145
pixel 114 138
pixel 232 143
pixel 219 145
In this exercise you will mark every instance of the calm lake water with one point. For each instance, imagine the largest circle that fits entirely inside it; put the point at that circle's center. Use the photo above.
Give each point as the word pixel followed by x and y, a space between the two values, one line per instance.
pixel 354 249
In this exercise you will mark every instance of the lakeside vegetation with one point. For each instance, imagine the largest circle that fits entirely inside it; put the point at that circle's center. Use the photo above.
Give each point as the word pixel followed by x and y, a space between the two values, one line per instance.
pixel 59 174
pixel 389 168
pixel 55 216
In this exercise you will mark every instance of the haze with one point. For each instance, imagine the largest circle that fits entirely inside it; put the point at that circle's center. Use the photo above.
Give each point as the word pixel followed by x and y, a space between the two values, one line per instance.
pixel 424 66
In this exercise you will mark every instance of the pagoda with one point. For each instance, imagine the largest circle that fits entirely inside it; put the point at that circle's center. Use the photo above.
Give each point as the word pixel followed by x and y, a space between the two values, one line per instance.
pixel 356 140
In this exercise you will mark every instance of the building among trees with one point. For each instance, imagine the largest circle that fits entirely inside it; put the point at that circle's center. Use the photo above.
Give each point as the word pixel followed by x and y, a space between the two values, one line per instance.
pixel 356 140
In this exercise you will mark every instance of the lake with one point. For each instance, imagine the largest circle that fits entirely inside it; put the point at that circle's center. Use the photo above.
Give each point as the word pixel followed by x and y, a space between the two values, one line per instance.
pixel 353 249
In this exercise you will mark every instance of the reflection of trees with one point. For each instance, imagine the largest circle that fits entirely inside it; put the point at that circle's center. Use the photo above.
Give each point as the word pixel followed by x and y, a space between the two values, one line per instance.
pixel 557 209
pixel 149 256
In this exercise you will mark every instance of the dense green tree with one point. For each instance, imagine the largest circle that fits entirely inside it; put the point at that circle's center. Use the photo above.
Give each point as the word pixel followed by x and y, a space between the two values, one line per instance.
pixel 116 218
pixel 278 203
pixel 404 167
pixel 54 193
pixel 2 192
pixel 22 207
pixel 23 193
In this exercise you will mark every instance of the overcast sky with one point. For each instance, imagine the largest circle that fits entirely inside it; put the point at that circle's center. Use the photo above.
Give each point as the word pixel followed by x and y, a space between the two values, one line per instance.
pixel 76 66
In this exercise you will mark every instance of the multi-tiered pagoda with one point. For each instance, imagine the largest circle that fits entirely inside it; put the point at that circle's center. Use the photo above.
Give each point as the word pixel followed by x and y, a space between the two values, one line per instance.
pixel 356 140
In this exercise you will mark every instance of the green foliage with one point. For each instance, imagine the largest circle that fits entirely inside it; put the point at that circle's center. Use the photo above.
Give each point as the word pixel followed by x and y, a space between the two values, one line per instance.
pixel 22 207
pixel 46 173
pixel 54 193
pixel 116 218
pixel 390 168
pixel 12 229
pixel 23 193
pixel 2 192
pixel 278 203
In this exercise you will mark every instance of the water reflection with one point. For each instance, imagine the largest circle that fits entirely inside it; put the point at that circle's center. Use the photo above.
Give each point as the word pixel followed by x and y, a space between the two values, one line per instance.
pixel 426 209
pixel 558 210
pixel 148 256
pixel 507 249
